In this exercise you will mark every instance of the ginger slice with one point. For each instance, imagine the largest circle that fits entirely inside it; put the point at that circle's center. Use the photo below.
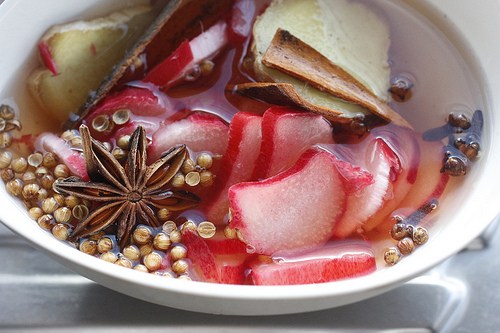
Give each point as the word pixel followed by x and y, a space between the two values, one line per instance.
pixel 296 58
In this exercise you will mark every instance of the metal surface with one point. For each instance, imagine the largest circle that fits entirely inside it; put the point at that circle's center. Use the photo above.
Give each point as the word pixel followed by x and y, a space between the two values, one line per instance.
pixel 461 295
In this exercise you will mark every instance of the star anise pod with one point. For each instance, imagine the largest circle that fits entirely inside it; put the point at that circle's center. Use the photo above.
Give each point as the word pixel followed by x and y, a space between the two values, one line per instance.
pixel 128 193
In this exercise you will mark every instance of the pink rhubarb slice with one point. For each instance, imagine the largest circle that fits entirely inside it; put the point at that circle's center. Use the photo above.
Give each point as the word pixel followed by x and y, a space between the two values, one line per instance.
pixel 391 156
pixel 199 132
pixel 187 56
pixel 335 261
pixel 241 22
pixel 286 134
pixel 228 268
pixel 72 159
pixel 237 163
pixel 298 208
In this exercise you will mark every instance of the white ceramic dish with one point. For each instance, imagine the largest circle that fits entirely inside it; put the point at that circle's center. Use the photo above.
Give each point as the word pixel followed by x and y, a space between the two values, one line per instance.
pixel 470 27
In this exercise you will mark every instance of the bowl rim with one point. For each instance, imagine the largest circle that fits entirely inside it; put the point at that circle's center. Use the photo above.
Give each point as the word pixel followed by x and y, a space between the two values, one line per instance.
pixel 15 217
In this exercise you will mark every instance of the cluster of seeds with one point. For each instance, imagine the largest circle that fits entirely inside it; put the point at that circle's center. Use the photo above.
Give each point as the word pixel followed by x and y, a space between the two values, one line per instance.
pixel 155 250
pixel 8 123
pixel 152 250
pixel 103 123
pixel 31 180
pixel 195 172
pixel 408 234
pixel 464 141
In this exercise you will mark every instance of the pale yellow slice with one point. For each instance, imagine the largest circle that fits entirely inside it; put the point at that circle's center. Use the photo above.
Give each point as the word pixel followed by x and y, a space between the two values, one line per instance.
pixel 84 52
pixel 349 34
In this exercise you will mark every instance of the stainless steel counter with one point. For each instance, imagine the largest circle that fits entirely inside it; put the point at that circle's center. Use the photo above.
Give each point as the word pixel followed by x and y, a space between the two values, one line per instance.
pixel 461 295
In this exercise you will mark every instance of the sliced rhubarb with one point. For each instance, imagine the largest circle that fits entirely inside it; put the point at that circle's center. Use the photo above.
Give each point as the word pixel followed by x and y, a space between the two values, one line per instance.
pixel 335 261
pixel 296 209
pixel 429 184
pixel 286 134
pixel 237 163
pixel 231 268
pixel 228 268
pixel 72 159
pixel 199 253
pixel 220 244
pixel 199 132
pixel 391 155
pixel 187 56
pixel 143 106
pixel 406 148
pixel 240 24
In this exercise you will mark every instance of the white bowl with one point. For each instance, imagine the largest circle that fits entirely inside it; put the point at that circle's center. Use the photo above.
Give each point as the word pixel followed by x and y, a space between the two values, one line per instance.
pixel 470 26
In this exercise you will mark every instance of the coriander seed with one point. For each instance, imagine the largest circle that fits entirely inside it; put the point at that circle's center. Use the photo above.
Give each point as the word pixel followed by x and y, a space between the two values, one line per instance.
pixel 71 201
pixel 206 229
pixel 19 165
pixel 105 244
pixel 175 236
pixel 6 139
pixel 47 181
pixel 30 191
pixel 153 261
pixel 141 268
pixel 28 177
pixel 119 153
pixel 123 141
pixel 88 247
pixel 124 263
pixel 206 178
pixel 230 233
pixel 161 241
pixel 163 214
pixel 188 166
pixel 61 171
pixel 5 159
pixel 35 159
pixel 60 231
pixel 62 214
pixel 42 195
pixel 121 117
pixel 168 227
pixel 80 212
pixel 49 205
pixel 41 171
pixel 180 266
pixel 178 252
pixel 146 249
pixel 50 160
pixel 46 221
pixel 68 135
pixel 7 174
pixel 35 213
pixel 204 160
pixel 178 180
pixel 188 225
pixel 132 252
pixel 192 178
pixel 142 235
pixel 14 187
pixel 109 257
